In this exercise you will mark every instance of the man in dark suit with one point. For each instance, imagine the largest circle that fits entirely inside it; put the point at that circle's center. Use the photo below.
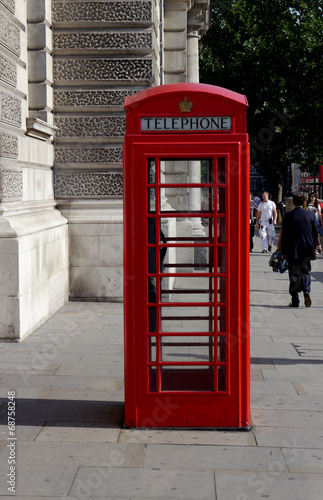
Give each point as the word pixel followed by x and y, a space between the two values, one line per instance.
pixel 297 241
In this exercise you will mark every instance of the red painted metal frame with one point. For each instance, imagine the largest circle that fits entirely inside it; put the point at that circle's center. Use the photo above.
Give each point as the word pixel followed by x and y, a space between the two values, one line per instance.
pixel 229 409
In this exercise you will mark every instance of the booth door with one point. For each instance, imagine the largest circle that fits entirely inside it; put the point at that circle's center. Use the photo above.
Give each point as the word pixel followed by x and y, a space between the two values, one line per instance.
pixel 186 324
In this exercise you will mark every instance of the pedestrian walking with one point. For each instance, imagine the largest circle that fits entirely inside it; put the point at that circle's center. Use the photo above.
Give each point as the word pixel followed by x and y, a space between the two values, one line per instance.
pixel 253 208
pixel 297 242
pixel 314 207
pixel 267 217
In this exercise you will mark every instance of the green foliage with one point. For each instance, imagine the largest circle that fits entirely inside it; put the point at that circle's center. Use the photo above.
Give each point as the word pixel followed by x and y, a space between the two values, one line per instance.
pixel 271 51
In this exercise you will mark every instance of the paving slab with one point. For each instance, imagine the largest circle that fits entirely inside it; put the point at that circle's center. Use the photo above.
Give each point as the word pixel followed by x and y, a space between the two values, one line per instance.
pixel 287 418
pixel 180 437
pixel 144 483
pixel 302 371
pixel 85 394
pixel 77 453
pixel 70 370
pixel 291 437
pixel 272 485
pixel 79 432
pixel 26 431
pixel 25 392
pixel 211 457
pixel 102 359
pixel 308 461
pixel 34 381
pixel 279 339
pixel 36 359
pixel 313 388
pixel 42 481
pixel 293 402
pixel 282 388
pixel 40 364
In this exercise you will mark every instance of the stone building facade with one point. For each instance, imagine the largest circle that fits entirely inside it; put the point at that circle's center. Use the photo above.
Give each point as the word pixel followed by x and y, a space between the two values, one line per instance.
pixel 65 70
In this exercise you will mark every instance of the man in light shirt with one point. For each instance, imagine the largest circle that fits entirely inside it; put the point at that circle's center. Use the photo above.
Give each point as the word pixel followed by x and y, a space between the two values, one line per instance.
pixel 267 214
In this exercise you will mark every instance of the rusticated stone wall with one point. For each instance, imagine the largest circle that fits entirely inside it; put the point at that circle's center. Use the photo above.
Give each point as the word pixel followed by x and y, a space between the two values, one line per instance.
pixel 103 52
pixel 67 13
pixel 92 185
pixel 11 99
pixel 33 233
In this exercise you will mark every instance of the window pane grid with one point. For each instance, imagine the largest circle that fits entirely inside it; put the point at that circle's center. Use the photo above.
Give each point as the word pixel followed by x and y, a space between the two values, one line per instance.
pixel 173 375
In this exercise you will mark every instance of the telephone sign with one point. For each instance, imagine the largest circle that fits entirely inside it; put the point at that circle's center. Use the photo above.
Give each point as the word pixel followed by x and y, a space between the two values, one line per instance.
pixel 185 124
pixel 186 258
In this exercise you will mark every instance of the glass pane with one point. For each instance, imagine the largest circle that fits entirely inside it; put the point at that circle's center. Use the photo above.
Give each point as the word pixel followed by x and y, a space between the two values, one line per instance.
pixel 187 171
pixel 188 289
pixel 187 319
pixel 151 227
pixel 222 348
pixel 151 200
pixel 222 319
pixel 221 229
pixel 152 319
pixel 187 378
pixel 152 378
pixel 186 199
pixel 152 290
pixel 221 171
pixel 151 171
pixel 222 289
pixel 152 261
pixel 189 260
pixel 152 349
pixel 221 259
pixel 221 200
pixel 183 230
pixel 221 378
pixel 187 349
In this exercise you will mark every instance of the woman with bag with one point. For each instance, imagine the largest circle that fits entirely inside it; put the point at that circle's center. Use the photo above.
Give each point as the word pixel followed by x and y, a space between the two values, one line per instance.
pixel 314 207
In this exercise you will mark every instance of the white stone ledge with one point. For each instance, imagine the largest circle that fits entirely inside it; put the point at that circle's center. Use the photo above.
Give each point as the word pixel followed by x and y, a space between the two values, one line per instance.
pixel 25 221
pixel 105 211
pixel 40 129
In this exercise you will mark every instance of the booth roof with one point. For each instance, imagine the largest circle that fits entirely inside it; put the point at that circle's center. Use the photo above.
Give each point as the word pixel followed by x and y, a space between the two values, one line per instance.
pixel 179 88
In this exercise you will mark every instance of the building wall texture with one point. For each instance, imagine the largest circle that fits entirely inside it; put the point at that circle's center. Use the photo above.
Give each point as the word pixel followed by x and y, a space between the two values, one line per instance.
pixel 65 70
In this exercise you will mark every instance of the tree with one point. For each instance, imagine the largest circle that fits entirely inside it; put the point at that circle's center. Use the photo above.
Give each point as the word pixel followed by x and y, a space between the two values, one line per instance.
pixel 272 53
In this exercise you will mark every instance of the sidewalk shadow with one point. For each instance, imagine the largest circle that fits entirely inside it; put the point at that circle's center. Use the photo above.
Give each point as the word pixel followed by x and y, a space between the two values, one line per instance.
pixel 273 306
pixel 285 361
pixel 64 412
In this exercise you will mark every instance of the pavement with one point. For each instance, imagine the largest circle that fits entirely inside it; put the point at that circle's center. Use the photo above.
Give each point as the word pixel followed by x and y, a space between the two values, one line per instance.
pixel 62 388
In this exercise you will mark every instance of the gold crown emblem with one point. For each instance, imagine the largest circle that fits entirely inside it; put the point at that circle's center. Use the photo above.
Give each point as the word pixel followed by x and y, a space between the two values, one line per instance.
pixel 185 106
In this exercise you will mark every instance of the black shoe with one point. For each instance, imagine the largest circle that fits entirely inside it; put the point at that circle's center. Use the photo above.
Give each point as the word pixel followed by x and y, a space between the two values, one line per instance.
pixel 307 299
pixel 264 251
pixel 269 248
pixel 293 305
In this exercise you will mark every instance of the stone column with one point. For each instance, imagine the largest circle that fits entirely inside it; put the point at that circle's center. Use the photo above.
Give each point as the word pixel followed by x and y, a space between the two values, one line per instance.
pixel 193 38
pixel 175 26
pixel 194 167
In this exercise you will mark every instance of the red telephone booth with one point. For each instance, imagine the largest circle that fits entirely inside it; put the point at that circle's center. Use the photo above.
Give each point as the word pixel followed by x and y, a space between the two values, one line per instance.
pixel 186 258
